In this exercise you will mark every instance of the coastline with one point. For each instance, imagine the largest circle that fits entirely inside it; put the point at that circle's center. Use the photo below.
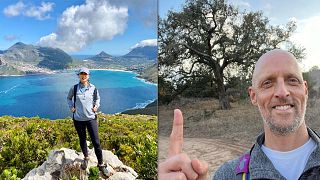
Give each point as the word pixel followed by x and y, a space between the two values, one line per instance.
pixel 150 109
pixel 11 75
pixel 137 75
pixel 145 80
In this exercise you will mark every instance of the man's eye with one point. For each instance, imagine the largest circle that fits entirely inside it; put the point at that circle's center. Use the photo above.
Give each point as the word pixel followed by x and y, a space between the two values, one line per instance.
pixel 293 81
pixel 267 84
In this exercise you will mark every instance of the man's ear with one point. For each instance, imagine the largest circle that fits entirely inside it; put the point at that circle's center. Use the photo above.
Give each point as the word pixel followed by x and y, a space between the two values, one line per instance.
pixel 306 87
pixel 253 95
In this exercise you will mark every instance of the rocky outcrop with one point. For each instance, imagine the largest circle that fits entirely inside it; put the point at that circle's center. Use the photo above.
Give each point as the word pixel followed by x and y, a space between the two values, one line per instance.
pixel 65 164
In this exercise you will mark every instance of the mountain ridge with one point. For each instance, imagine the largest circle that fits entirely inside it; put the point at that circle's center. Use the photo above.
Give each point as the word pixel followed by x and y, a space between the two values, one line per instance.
pixel 23 58
pixel 148 52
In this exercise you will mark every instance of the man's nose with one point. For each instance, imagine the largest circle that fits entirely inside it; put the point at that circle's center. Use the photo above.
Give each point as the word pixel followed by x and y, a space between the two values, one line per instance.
pixel 281 90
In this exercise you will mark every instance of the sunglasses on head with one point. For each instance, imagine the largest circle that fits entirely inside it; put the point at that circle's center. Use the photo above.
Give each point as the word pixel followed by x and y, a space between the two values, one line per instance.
pixel 83 73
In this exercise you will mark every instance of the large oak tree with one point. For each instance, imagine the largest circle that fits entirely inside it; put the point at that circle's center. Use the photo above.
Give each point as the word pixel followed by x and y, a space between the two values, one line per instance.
pixel 213 36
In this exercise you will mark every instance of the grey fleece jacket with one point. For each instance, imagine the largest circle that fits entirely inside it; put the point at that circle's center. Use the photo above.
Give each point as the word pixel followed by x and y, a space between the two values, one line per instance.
pixel 84 102
pixel 260 167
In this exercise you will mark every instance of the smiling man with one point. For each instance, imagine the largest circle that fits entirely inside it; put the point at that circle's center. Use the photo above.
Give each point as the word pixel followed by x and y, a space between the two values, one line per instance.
pixel 287 149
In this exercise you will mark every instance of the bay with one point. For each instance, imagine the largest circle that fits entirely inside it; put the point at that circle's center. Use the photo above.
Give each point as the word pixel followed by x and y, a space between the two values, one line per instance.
pixel 45 95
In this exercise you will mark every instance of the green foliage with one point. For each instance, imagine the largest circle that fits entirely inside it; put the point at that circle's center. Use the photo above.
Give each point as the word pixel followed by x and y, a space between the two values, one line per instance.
pixel 26 142
pixel 94 173
pixel 74 178
pixel 165 91
pixel 135 142
pixel 9 174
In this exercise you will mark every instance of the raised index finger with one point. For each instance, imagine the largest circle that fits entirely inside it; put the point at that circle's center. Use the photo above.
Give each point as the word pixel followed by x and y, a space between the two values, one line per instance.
pixel 176 137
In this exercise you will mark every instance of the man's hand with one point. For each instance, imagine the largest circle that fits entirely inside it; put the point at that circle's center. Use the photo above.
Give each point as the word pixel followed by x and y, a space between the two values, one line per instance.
pixel 94 109
pixel 178 165
pixel 73 109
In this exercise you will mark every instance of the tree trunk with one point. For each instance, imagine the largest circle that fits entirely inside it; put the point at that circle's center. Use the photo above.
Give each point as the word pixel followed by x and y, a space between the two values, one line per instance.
pixel 223 98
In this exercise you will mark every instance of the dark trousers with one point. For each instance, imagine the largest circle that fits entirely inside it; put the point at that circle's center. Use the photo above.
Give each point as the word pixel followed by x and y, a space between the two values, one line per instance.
pixel 92 127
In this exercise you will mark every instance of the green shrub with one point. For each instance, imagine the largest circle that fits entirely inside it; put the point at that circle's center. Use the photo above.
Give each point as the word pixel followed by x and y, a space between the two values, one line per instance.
pixel 94 173
pixel 26 142
pixel 9 174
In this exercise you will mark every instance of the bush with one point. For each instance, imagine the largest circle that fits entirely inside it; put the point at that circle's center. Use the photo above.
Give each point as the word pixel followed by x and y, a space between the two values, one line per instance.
pixel 26 142
pixel 94 173
pixel 9 174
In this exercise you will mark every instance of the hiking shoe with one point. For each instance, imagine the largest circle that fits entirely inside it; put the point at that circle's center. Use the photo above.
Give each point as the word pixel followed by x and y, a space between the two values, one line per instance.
pixel 84 163
pixel 104 170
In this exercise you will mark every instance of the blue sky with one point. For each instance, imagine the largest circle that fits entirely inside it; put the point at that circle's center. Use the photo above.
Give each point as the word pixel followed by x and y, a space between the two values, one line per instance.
pixel 79 26
pixel 305 13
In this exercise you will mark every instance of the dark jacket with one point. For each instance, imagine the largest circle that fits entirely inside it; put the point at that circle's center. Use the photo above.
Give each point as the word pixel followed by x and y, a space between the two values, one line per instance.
pixel 260 167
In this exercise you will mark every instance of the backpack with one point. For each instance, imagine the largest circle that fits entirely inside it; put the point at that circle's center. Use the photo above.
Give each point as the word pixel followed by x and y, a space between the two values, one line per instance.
pixel 75 89
pixel 242 169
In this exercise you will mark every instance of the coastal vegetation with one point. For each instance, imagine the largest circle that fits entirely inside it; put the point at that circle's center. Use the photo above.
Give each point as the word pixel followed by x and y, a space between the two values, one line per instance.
pixel 26 142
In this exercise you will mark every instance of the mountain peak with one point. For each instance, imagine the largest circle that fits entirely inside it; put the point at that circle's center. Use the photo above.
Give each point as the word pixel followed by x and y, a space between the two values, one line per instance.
pixel 19 44
pixel 101 56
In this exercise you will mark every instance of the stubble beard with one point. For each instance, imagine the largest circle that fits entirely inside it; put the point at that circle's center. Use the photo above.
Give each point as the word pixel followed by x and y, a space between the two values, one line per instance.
pixel 283 130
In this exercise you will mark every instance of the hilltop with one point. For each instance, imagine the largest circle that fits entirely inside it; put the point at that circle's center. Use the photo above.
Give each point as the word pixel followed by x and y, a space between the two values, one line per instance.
pixel 22 59
pixel 102 56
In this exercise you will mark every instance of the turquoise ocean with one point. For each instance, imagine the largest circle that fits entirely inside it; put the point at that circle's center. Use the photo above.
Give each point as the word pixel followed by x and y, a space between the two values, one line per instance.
pixel 46 95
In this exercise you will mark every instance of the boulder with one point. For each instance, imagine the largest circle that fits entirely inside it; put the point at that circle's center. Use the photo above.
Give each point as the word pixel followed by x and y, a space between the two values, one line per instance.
pixel 65 163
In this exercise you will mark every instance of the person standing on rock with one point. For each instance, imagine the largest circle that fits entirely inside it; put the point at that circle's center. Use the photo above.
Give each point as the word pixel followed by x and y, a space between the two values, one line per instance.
pixel 286 150
pixel 85 103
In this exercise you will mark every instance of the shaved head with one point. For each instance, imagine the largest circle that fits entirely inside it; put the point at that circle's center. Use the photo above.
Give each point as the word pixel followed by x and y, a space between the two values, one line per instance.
pixel 277 54
pixel 279 91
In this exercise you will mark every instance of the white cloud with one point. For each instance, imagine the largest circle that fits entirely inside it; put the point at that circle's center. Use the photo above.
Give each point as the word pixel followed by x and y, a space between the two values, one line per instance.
pixel 15 9
pixel 38 12
pixel 307 35
pixel 144 10
pixel 147 42
pixel 11 37
pixel 83 24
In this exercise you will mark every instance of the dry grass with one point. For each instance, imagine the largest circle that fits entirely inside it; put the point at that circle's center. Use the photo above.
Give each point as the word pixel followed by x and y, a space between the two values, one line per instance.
pixel 203 119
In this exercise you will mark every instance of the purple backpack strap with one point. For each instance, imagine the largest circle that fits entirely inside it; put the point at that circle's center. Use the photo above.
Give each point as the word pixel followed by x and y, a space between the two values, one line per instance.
pixel 243 165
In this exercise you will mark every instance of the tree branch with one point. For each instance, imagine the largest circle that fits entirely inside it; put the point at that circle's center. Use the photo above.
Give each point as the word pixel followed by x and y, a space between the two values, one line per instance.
pixel 206 56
